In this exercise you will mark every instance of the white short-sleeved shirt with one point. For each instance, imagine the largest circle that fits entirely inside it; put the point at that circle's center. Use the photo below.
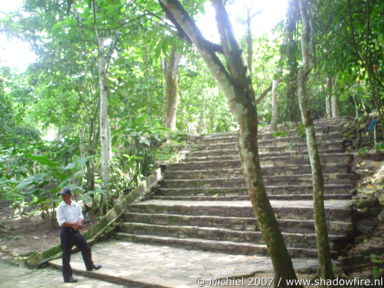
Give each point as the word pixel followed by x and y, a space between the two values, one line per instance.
pixel 69 213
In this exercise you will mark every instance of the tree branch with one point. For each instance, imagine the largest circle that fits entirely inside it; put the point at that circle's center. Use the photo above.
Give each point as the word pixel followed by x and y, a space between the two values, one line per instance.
pixel 111 49
pixel 355 45
pixel 189 28
pixel 263 94
pixel 232 51
pixel 211 46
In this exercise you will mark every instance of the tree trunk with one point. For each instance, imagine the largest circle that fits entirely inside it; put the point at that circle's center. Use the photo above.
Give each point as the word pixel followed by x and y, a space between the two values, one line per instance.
pixel 332 96
pixel 324 255
pixel 335 112
pixel 104 121
pixel 291 43
pixel 239 92
pixel 91 149
pixel 171 68
pixel 356 107
pixel 109 140
pixel 249 42
pixel 328 107
pixel 104 135
pixel 364 55
pixel 275 83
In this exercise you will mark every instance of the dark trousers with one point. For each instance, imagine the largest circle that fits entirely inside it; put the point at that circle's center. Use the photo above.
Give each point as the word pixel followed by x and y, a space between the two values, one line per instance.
pixel 70 237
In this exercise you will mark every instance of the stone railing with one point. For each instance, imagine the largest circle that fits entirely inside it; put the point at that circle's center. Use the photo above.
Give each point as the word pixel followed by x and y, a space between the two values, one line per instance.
pixel 109 221
pixel 358 133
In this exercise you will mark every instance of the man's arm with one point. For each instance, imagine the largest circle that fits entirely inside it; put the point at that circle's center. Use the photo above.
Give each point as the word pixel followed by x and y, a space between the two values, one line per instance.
pixel 80 218
pixel 61 220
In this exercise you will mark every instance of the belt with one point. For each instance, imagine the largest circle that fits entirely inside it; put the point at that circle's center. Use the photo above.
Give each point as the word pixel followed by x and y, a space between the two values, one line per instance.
pixel 69 229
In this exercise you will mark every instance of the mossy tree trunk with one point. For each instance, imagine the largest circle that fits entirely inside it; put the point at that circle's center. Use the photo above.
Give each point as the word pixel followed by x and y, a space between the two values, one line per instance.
pixel 324 255
pixel 234 79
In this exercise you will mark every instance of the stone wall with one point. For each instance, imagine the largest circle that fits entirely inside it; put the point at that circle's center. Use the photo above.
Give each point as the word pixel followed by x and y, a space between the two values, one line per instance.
pixel 358 136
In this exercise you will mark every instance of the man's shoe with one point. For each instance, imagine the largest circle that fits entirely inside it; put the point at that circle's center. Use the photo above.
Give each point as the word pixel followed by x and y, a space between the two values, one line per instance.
pixel 71 280
pixel 95 267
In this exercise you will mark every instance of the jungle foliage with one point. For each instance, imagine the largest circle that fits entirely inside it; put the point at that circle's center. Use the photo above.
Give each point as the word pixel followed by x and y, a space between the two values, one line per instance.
pixel 58 95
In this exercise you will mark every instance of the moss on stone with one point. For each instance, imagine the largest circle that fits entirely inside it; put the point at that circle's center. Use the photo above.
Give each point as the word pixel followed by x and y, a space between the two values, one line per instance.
pixel 104 226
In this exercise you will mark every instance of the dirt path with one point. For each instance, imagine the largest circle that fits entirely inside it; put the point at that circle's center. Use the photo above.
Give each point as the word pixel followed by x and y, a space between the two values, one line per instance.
pixel 21 236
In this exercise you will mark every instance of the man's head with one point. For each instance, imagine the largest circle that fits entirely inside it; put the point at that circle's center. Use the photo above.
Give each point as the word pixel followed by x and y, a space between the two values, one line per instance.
pixel 66 195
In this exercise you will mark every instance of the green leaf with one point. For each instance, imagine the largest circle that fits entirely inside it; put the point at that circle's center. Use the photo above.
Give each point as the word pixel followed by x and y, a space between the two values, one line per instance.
pixel 42 160
pixel 30 182
pixel 55 167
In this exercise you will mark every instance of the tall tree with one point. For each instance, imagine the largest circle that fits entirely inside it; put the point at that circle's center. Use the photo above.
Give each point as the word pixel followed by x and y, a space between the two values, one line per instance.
pixel 275 83
pixel 105 135
pixel 350 51
pixel 249 38
pixel 322 241
pixel 237 86
pixel 171 88
pixel 291 58
pixel 334 108
pixel 328 107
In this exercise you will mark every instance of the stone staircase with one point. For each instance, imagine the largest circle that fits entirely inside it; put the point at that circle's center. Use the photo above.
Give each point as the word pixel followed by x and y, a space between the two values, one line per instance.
pixel 202 202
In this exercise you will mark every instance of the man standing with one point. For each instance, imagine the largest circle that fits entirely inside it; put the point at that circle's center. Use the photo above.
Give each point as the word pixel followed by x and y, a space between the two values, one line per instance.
pixel 70 218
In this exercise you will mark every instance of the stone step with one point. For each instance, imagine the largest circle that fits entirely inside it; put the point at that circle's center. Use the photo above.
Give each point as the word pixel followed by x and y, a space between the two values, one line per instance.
pixel 267 171
pixel 265 132
pixel 321 126
pixel 220 142
pixel 336 210
pixel 297 240
pixel 232 148
pixel 294 156
pixel 269 136
pixel 204 164
pixel 246 197
pixel 270 189
pixel 227 247
pixel 300 179
pixel 235 223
